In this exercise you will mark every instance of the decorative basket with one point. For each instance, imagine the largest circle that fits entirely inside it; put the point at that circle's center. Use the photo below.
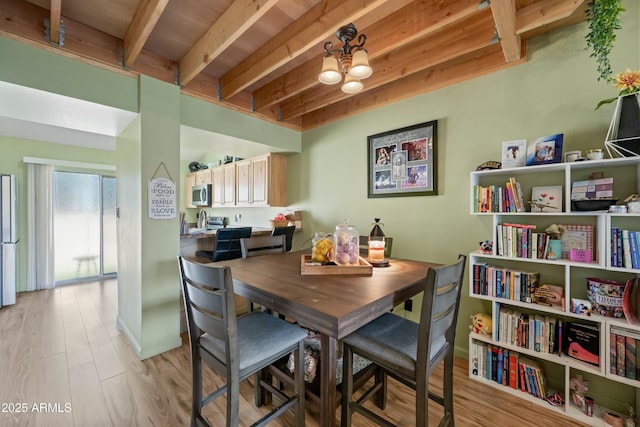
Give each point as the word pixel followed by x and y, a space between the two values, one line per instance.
pixel 275 223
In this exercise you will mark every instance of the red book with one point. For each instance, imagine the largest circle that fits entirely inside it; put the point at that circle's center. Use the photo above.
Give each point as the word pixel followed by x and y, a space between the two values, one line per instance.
pixel 513 370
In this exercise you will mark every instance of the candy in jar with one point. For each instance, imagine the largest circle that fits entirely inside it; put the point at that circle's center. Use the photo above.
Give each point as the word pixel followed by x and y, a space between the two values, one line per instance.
pixel 346 245
pixel 322 251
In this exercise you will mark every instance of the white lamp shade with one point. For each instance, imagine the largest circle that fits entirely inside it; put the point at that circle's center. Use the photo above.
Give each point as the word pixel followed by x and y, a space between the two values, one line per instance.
pixel 330 74
pixel 360 68
pixel 351 85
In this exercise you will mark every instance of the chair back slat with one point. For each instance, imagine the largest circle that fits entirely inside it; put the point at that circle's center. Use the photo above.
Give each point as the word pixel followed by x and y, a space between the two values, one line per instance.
pixel 287 231
pixel 227 243
pixel 262 245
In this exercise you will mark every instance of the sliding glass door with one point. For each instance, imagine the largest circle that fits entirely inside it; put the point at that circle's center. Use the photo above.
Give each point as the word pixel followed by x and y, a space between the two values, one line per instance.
pixel 84 226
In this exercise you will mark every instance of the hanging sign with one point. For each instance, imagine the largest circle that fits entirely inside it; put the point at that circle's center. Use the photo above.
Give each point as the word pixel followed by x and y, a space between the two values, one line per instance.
pixel 162 198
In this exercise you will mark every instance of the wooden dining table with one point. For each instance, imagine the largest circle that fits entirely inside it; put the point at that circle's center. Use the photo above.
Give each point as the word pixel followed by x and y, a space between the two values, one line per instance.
pixel 332 305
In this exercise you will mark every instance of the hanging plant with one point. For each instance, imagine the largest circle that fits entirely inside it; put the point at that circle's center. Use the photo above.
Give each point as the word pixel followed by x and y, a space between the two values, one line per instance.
pixel 604 19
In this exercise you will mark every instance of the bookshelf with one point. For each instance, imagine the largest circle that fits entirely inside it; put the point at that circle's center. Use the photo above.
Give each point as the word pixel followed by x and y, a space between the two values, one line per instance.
pixel 557 367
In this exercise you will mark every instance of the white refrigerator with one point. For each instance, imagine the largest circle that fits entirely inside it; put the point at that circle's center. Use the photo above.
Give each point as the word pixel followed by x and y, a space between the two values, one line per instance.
pixel 8 240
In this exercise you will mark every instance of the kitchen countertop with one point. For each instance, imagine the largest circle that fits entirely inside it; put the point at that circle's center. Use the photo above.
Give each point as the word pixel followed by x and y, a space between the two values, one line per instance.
pixel 208 234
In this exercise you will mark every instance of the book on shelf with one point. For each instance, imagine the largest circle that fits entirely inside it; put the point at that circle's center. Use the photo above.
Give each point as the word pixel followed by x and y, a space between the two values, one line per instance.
pixel 634 249
pixel 582 342
pixel 630 358
pixel 613 353
pixel 620 355
pixel 623 352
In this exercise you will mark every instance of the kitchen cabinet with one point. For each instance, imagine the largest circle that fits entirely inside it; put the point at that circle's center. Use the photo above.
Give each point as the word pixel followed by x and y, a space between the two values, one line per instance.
pixel 223 184
pixel 203 177
pixel 189 182
pixel 261 181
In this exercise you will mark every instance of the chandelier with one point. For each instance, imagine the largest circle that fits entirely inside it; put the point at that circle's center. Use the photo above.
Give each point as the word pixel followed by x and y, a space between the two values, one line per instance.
pixel 353 61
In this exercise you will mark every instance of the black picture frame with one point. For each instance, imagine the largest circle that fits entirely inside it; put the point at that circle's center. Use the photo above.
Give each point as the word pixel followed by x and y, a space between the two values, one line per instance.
pixel 403 162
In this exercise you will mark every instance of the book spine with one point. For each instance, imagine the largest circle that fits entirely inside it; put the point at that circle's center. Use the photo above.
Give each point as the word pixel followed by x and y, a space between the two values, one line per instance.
pixel 513 369
pixel 620 254
pixel 620 355
pixel 613 340
pixel 635 254
pixel 494 363
pixel 626 249
pixel 614 246
pixel 630 358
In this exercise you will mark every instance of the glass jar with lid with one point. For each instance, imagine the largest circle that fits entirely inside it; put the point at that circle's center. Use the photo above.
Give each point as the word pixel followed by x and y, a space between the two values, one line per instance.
pixel 322 250
pixel 346 242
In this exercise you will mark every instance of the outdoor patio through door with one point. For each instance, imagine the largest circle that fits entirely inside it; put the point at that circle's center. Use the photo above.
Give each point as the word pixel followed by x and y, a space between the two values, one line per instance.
pixel 84 226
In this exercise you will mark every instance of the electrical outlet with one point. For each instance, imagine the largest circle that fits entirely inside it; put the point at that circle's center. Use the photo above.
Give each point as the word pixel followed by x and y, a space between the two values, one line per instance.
pixel 237 217
pixel 408 305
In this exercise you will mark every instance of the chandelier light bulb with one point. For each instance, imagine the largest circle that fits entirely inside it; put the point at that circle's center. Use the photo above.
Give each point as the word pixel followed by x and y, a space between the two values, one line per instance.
pixel 351 85
pixel 360 68
pixel 331 73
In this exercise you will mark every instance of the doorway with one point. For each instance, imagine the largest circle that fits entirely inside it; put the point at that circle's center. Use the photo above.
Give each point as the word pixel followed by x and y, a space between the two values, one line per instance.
pixel 84 223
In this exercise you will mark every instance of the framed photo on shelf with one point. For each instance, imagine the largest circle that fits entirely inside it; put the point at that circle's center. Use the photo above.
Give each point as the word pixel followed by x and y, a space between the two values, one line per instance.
pixel 403 162
pixel 514 153
pixel 546 199
pixel 545 150
pixel 578 237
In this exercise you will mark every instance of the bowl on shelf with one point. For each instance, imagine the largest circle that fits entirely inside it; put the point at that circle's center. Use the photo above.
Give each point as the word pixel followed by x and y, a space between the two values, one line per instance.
pixel 593 204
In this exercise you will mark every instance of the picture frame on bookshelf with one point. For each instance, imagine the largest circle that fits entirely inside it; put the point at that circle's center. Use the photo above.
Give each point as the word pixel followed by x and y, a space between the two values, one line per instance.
pixel 549 197
pixel 545 150
pixel 578 236
pixel 514 153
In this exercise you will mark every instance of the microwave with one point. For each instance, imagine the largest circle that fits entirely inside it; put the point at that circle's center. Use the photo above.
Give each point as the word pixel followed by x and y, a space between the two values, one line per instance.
pixel 201 195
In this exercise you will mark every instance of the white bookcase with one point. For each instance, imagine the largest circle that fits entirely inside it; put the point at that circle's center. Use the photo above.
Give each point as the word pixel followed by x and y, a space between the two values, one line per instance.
pixel 559 369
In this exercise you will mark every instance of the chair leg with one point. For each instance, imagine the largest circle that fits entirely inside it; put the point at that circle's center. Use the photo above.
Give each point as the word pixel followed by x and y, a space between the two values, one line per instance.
pixel 233 400
pixel 299 387
pixel 447 389
pixel 196 389
pixel 347 385
pixel 422 401
pixel 381 395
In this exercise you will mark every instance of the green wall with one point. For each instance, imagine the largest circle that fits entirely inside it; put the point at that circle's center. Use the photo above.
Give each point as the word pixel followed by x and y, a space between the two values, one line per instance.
pixel 555 91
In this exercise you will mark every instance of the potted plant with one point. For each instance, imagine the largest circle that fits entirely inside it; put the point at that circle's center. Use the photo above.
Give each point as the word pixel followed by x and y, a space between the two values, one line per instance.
pixel 554 246
pixel 603 17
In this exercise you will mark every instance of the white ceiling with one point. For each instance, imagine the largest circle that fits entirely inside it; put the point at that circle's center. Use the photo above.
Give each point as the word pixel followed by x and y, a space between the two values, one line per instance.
pixel 43 116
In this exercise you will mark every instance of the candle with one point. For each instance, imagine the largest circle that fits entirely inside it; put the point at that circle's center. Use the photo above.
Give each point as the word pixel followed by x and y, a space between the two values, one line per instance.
pixel 376 250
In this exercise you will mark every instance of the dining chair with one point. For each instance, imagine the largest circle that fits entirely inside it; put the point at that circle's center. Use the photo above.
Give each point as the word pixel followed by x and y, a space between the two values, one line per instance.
pixel 408 351
pixel 226 244
pixel 262 245
pixel 288 231
pixel 364 246
pixel 235 347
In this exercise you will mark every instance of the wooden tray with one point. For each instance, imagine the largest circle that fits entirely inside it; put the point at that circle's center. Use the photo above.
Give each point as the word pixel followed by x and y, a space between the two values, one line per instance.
pixel 363 269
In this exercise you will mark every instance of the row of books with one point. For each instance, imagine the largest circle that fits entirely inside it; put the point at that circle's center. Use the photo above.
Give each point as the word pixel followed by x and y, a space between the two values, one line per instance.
pixel 504 282
pixel 495 198
pixel 508 368
pixel 623 349
pixel 536 332
pixel 625 248
pixel 520 240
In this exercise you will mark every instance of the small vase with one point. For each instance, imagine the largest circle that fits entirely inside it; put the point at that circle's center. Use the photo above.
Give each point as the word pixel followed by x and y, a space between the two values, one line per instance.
pixel 554 251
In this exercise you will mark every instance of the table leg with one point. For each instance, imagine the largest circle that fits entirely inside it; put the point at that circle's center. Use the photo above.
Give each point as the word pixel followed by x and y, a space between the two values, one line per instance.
pixel 328 363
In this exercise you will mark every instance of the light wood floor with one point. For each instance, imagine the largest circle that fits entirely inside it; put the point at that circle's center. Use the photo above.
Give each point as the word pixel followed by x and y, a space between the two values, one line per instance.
pixel 61 348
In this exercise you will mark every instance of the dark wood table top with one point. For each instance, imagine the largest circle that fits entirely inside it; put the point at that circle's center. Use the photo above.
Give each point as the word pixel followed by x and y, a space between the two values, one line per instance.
pixel 334 305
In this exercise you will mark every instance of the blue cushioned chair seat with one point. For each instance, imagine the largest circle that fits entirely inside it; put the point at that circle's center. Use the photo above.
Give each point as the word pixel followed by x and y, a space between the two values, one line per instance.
pixel 261 338
pixel 394 339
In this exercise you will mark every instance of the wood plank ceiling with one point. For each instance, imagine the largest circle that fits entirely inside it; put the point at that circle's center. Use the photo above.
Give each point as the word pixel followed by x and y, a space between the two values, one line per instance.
pixel 263 57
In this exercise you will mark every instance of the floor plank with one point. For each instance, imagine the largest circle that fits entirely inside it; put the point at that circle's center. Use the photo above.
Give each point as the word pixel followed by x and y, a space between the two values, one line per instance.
pixel 62 346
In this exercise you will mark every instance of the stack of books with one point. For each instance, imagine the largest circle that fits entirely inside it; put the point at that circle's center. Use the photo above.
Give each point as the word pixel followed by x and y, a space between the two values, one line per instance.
pixel 623 347
pixel 509 368
pixel 625 248
pixel 536 332
pixel 501 282
pixel 495 198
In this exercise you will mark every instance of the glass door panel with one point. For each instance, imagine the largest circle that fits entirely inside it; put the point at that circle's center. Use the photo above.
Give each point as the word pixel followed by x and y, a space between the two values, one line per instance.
pixel 109 234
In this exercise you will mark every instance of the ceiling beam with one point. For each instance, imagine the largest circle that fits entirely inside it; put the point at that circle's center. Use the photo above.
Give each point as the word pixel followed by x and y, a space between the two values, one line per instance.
pixel 416 20
pixel 310 29
pixel 234 22
pixel 140 28
pixel 467 36
pixel 55 10
pixel 504 14
pixel 544 12
pixel 476 64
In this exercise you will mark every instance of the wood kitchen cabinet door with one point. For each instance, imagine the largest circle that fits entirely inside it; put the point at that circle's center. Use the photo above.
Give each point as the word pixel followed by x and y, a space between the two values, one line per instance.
pixel 217 185
pixel 244 188
pixel 229 194
pixel 203 177
pixel 189 182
